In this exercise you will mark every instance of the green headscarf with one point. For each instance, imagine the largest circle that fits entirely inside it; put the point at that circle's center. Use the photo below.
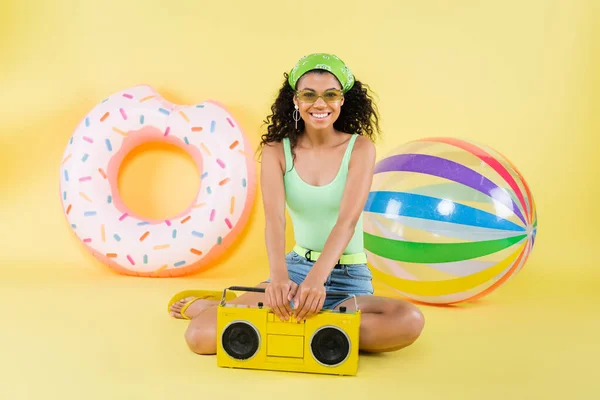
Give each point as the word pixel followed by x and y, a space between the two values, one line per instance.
pixel 327 62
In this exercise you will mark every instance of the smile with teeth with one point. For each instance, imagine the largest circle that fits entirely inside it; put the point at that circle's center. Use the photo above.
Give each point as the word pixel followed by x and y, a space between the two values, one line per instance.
pixel 320 115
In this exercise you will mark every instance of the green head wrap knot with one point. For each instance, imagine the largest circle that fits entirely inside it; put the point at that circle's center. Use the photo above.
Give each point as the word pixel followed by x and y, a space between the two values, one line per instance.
pixel 324 61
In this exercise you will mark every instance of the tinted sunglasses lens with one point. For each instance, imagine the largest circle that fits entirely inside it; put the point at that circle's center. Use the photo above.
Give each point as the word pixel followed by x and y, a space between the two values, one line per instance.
pixel 307 97
pixel 332 95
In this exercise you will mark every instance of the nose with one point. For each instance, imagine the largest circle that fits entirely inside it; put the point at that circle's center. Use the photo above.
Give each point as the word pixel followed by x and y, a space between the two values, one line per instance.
pixel 320 102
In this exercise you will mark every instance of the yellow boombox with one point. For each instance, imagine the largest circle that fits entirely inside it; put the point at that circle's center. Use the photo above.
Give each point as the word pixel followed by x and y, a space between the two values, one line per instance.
pixel 255 338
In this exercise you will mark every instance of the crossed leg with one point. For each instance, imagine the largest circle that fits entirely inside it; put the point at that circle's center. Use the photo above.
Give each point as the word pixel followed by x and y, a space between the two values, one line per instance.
pixel 386 324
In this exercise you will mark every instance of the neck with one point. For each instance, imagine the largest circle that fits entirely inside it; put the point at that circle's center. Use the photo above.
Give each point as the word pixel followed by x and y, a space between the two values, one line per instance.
pixel 319 137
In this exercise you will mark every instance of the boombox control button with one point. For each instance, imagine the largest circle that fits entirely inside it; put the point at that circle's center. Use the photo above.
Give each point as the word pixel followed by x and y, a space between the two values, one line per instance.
pixel 260 304
pixel 343 309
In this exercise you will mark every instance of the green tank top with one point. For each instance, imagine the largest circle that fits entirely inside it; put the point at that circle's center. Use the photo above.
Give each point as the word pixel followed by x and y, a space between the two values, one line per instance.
pixel 314 209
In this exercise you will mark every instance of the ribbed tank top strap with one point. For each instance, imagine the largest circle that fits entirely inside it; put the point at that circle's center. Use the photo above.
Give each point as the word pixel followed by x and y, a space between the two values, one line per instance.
pixel 287 151
pixel 348 153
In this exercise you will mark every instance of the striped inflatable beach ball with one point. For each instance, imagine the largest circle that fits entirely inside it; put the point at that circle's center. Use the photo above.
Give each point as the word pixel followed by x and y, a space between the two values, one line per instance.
pixel 447 220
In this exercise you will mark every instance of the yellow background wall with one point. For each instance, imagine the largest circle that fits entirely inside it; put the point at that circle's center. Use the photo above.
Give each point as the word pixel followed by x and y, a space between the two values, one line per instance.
pixel 520 76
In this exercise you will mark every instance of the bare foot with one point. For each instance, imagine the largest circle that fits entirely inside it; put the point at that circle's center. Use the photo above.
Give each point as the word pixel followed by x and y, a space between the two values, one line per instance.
pixel 194 309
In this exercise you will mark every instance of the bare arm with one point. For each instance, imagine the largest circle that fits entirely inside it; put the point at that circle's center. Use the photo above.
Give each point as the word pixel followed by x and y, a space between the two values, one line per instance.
pixel 356 192
pixel 273 196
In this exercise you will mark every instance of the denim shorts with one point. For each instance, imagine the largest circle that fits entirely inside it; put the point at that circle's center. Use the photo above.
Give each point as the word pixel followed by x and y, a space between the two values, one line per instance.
pixel 353 279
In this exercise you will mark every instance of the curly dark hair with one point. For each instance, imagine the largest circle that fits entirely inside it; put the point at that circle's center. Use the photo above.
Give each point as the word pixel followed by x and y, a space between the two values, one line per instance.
pixel 359 115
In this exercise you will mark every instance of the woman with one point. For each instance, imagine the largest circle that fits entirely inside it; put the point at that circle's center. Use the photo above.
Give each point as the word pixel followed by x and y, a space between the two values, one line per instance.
pixel 318 160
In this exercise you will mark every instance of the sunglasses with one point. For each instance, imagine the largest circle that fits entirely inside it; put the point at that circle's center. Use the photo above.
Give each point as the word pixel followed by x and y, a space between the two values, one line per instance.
pixel 329 96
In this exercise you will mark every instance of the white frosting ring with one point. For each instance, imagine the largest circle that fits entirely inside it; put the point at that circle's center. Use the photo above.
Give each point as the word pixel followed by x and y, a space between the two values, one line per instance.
pixel 127 242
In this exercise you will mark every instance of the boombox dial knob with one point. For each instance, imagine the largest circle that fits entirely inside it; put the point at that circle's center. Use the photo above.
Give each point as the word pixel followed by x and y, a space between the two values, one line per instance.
pixel 240 340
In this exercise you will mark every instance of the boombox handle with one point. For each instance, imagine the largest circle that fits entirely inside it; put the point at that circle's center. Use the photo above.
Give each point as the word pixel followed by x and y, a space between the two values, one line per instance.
pixel 262 290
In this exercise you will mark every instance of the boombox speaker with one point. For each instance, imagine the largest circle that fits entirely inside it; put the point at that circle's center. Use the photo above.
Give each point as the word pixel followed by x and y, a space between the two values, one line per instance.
pixel 254 337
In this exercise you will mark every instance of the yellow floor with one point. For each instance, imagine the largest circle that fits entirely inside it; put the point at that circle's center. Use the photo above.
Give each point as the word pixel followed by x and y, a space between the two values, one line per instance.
pixel 73 332
pixel 519 76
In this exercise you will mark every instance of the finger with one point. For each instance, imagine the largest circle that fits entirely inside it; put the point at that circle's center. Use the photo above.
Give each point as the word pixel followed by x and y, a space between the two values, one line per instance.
pixel 276 302
pixel 297 299
pixel 297 304
pixel 280 311
pixel 286 302
pixel 304 307
pixel 321 303
pixel 314 307
pixel 302 299
pixel 311 308
pixel 293 291
pixel 272 302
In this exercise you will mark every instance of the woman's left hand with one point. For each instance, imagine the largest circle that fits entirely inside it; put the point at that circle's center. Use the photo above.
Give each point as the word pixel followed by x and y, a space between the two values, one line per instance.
pixel 309 299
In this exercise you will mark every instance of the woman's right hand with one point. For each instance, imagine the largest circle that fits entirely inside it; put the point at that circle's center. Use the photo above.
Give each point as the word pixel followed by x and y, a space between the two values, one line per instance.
pixel 279 293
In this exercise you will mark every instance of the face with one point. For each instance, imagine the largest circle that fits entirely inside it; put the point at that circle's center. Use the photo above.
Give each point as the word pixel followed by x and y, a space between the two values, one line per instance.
pixel 319 112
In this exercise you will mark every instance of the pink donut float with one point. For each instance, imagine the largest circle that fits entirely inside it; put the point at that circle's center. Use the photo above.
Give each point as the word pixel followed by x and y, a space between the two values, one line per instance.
pixel 133 245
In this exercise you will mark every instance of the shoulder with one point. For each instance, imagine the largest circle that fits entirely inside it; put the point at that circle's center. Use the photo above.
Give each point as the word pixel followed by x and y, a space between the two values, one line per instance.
pixel 363 143
pixel 273 147
pixel 364 150
pixel 272 153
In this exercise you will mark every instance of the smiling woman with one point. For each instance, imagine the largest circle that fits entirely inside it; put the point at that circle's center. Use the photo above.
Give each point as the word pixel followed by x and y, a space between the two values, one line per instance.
pixel 318 159
pixel 346 101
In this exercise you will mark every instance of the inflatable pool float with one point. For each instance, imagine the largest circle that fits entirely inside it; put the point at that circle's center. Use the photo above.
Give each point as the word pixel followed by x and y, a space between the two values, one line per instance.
pixel 133 245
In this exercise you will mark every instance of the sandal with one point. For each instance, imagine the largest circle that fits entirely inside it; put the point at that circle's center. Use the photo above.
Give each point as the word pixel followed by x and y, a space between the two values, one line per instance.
pixel 198 294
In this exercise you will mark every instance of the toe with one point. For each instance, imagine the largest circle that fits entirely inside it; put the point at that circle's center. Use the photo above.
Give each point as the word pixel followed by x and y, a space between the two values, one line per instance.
pixel 178 305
